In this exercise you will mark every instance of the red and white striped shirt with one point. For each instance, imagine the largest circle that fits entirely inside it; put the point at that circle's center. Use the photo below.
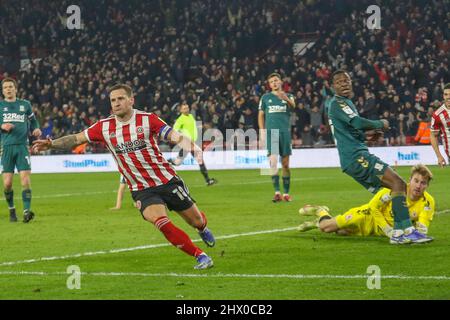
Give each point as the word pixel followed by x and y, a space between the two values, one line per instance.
pixel 440 121
pixel 134 147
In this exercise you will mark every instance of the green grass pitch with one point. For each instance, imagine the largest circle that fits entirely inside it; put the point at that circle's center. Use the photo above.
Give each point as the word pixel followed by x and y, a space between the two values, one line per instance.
pixel 258 255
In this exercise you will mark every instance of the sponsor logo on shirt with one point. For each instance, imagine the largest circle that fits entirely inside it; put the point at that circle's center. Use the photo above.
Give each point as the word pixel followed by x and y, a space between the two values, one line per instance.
pixel 13 117
pixel 273 109
pixel 130 146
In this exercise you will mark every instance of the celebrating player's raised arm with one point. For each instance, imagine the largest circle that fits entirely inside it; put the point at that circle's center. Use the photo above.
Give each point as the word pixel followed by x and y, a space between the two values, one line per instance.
pixel 63 143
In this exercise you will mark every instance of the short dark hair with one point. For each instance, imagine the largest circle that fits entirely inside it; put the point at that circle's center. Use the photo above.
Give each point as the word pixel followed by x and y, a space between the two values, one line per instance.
pixel 274 74
pixel 123 86
pixel 447 86
pixel 7 79
pixel 337 72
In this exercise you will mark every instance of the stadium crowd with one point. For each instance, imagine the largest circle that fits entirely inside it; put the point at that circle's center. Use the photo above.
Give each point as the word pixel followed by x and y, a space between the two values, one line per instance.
pixel 216 55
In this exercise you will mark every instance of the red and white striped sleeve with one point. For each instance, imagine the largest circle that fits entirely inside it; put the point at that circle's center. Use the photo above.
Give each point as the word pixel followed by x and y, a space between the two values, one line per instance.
pixel 94 133
pixel 435 122
pixel 159 127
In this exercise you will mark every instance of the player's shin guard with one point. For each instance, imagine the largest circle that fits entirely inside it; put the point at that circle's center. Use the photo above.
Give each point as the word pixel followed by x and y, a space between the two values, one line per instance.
pixel 177 237
pixel 276 182
pixel 400 210
pixel 26 198
pixel 286 184
pixel 9 196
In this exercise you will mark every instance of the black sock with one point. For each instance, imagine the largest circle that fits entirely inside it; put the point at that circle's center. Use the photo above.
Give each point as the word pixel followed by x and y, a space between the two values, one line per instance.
pixel 204 172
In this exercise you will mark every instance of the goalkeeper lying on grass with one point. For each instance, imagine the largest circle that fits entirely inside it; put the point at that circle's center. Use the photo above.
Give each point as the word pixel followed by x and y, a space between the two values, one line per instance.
pixel 375 217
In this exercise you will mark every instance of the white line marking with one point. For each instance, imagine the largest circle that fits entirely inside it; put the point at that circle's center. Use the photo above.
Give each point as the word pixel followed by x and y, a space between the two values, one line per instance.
pixel 442 211
pixel 223 275
pixel 152 246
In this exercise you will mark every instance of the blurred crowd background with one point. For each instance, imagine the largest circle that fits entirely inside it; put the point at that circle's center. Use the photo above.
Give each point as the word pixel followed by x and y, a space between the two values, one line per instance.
pixel 216 55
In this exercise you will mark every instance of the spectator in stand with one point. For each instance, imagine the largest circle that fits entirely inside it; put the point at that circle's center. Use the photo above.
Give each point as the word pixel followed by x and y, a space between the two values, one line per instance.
pixel 216 52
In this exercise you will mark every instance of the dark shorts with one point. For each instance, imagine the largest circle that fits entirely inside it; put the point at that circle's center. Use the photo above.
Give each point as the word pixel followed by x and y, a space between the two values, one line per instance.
pixel 15 156
pixel 368 170
pixel 279 143
pixel 174 195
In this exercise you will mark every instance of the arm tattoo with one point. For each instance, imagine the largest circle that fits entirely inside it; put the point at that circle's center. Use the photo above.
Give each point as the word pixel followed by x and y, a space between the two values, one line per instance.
pixel 65 143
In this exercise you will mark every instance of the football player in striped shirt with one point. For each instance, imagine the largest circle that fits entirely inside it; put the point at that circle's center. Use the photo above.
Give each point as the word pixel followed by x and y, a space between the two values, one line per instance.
pixel 440 125
pixel 131 137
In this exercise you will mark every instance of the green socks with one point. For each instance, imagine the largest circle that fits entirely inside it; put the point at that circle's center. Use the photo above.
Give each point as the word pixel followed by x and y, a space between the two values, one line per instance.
pixel 26 198
pixel 286 184
pixel 401 212
pixel 9 196
pixel 276 182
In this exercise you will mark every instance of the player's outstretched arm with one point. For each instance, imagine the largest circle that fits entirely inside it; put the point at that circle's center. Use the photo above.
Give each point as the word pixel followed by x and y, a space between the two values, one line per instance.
pixel 63 143
pixel 365 124
pixel 186 144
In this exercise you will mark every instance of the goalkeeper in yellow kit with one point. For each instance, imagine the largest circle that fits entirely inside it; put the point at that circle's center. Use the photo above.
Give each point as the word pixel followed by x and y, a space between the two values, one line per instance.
pixel 186 125
pixel 375 217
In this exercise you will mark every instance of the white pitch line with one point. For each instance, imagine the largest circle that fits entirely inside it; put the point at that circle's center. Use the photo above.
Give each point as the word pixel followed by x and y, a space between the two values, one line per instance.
pixel 442 211
pixel 151 246
pixel 223 275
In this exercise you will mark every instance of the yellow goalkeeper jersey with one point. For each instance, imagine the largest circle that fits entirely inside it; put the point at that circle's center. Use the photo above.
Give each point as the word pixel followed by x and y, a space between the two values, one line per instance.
pixel 420 211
